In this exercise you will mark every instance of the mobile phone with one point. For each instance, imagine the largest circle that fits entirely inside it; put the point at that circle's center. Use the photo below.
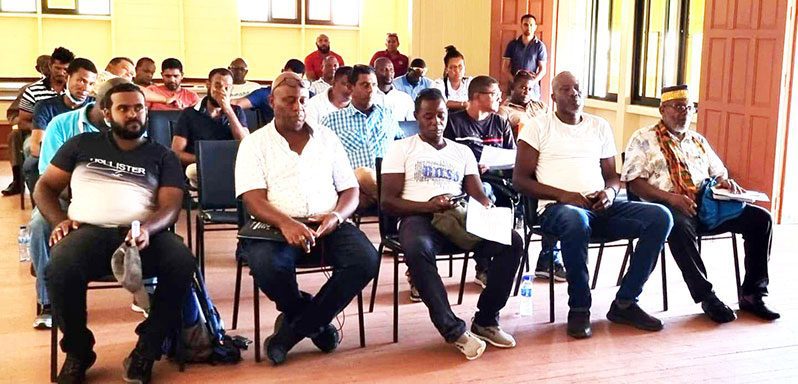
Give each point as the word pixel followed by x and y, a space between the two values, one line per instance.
pixel 458 198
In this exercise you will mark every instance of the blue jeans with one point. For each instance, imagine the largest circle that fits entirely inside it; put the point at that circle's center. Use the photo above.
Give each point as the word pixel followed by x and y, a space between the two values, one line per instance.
pixel 273 264
pixel 650 223
pixel 30 171
pixel 422 243
pixel 40 231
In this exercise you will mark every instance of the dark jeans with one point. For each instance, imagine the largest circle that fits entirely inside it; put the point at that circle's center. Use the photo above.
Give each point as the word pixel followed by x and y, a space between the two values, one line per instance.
pixel 353 258
pixel 756 226
pixel 30 171
pixel 422 242
pixel 650 223
pixel 85 255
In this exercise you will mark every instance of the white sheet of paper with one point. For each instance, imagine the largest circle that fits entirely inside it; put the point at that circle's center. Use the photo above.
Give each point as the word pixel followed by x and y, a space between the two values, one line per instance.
pixel 497 157
pixel 747 196
pixel 494 224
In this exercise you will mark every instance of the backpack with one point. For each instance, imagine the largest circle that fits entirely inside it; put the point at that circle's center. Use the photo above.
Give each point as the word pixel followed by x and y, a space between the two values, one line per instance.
pixel 200 336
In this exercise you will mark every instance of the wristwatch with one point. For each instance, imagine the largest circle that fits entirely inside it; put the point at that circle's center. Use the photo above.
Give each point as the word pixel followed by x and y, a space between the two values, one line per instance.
pixel 338 216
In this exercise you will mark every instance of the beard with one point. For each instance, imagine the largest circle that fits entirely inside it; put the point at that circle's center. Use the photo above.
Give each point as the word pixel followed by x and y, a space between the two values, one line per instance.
pixel 125 131
pixel 172 86
pixel 325 49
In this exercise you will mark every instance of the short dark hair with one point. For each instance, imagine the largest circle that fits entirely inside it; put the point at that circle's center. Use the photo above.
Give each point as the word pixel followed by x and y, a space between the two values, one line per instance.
pixel 63 55
pixel 120 88
pixel 171 63
pixel 521 76
pixel 418 62
pixel 357 70
pixel 81 63
pixel 117 60
pixel 143 60
pixel 529 16
pixel 344 71
pixel 429 94
pixel 295 66
pixel 480 84
pixel 219 71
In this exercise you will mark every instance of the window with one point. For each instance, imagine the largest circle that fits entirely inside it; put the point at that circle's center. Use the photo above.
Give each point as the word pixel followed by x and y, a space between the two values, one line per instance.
pixel 333 12
pixel 77 7
pixel 667 47
pixel 269 11
pixel 604 41
pixel 26 6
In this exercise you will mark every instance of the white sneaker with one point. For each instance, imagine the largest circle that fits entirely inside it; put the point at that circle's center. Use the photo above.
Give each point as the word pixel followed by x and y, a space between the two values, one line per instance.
pixel 481 279
pixel 44 320
pixel 414 295
pixel 471 346
pixel 136 308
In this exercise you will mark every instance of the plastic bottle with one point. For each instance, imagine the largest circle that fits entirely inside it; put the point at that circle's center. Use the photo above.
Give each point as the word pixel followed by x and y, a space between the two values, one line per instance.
pixel 525 308
pixel 24 243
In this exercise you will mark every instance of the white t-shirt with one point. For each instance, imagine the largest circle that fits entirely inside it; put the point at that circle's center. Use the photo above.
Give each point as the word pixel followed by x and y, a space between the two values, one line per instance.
pixel 401 104
pixel 429 172
pixel 570 155
pixel 459 94
pixel 319 86
pixel 319 106
pixel 240 90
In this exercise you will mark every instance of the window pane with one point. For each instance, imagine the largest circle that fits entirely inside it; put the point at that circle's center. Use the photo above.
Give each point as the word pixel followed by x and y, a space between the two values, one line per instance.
pixel 695 35
pixel 284 9
pixel 604 42
pixel 320 10
pixel 346 12
pixel 253 10
pixel 18 5
pixel 94 7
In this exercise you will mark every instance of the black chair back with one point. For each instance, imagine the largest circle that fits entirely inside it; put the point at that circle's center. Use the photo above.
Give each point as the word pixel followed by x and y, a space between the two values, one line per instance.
pixel 215 173
pixel 409 128
pixel 389 225
pixel 254 122
pixel 530 206
pixel 160 126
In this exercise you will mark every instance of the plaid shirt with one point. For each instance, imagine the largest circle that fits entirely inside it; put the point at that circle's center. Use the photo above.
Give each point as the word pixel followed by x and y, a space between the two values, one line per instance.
pixel 365 137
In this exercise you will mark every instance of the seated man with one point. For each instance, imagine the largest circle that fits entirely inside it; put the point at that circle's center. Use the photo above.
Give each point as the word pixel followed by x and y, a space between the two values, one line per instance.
pixel 411 192
pixel 213 118
pixel 333 99
pixel 415 80
pixel 145 69
pixel 328 68
pixel 292 169
pixel 241 87
pixel 63 127
pixel 366 129
pixel 400 103
pixel 667 163
pixel 115 179
pixel 259 99
pixel 178 97
pixel 566 160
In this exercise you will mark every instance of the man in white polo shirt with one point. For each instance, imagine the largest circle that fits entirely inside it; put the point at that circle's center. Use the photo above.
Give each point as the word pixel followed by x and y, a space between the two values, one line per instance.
pixel 400 103
pixel 336 97
pixel 295 176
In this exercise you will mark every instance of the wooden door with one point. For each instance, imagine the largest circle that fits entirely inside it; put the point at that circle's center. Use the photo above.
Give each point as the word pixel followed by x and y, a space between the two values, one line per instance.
pixel 740 91
pixel 506 25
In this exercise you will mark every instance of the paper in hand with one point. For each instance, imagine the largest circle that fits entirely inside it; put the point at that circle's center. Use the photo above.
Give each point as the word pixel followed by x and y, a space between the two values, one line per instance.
pixel 494 224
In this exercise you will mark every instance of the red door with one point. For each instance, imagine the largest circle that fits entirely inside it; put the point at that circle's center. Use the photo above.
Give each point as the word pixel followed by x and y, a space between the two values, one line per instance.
pixel 739 96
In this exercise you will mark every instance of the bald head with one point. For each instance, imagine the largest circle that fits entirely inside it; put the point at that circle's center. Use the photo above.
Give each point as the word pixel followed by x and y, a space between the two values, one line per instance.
pixel 385 71
pixel 323 43
pixel 239 69
pixel 567 94
pixel 328 68
pixel 288 101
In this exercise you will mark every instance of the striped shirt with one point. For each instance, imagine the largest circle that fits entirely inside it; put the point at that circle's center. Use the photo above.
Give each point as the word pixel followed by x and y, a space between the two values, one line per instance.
pixel 365 137
pixel 35 92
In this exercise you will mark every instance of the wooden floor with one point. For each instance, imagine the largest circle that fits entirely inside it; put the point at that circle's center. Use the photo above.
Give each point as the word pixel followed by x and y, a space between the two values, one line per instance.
pixel 690 349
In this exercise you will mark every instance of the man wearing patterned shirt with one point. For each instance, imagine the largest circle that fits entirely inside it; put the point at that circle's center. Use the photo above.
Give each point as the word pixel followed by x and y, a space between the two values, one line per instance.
pixel 365 129
pixel 667 163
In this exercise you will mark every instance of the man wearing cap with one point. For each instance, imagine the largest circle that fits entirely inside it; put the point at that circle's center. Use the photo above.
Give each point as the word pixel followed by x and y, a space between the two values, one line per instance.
pixel 666 163
pixel 293 175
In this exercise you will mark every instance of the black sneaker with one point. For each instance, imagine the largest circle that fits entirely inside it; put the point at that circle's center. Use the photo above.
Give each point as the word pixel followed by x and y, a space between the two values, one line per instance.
pixel 635 316
pixel 757 307
pixel 717 311
pixel 328 339
pixel 74 369
pixel 579 324
pixel 542 271
pixel 138 369
pixel 276 346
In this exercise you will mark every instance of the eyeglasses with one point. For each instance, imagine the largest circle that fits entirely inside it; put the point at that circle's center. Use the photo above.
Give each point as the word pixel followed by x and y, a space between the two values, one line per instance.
pixel 289 81
pixel 418 69
pixel 493 94
pixel 681 107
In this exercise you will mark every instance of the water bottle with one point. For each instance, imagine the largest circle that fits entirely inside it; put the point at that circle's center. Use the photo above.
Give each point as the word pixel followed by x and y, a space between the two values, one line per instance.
pixel 24 243
pixel 525 309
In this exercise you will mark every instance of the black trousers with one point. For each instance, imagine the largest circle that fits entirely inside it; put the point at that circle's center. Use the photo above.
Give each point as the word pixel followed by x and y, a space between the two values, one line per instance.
pixel 85 255
pixel 756 226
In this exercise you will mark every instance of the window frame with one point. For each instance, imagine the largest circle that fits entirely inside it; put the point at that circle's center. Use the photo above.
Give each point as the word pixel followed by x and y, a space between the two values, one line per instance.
pixel 309 21
pixel 273 20
pixel 46 10
pixel 21 12
pixel 641 25
pixel 592 47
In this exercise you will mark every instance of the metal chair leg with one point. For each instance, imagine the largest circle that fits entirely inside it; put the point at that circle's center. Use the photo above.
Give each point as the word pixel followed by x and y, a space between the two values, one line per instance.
pixel 376 279
pixel 463 279
pixel 53 351
pixel 524 259
pixel 256 312
pixel 736 265
pixel 626 256
pixel 664 281
pixel 237 294
pixel 395 297
pixel 361 325
pixel 188 221
pixel 551 289
pixel 598 265
pixel 451 265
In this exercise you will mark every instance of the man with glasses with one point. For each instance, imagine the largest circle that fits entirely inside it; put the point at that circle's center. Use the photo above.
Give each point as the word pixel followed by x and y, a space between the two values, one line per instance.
pixel 479 126
pixel 667 163
pixel 392 53
pixel 415 80
pixel 241 87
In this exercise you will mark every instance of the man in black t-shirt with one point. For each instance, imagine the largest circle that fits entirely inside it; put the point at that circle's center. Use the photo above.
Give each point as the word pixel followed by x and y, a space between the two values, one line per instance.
pixel 115 178
pixel 213 118
pixel 479 126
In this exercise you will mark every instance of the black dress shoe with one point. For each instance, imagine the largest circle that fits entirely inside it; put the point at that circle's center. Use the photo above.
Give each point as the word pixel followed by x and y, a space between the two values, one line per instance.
pixel 328 339
pixel 579 324
pixel 276 346
pixel 12 189
pixel 635 316
pixel 717 311
pixel 758 308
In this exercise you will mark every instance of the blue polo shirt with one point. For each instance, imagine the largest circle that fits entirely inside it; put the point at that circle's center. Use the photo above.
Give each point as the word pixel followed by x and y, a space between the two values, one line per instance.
pixel 403 85
pixel 260 101
pixel 62 128
pixel 45 110
pixel 526 57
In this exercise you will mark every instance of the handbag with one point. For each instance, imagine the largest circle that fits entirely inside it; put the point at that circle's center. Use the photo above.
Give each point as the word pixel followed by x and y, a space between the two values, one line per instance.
pixel 713 212
pixel 451 223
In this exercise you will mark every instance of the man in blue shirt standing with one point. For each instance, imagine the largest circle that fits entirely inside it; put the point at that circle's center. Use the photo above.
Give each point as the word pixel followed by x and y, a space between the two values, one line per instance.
pixel 526 53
